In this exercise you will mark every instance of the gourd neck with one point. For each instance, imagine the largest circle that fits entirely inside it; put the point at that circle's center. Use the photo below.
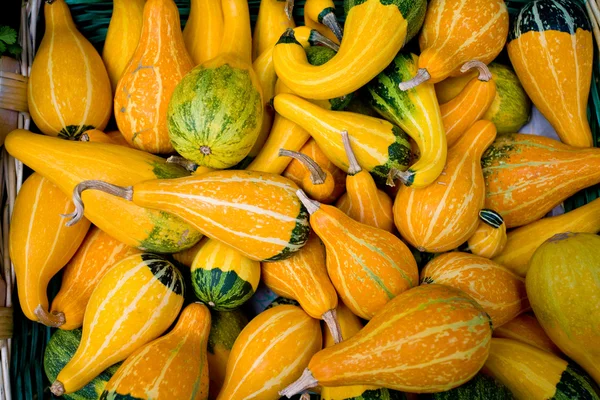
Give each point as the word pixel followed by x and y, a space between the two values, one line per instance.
pixel 312 206
pixel 58 15
pixel 317 175
pixel 484 72
pixel 52 319
pixel 237 39
pixel 476 139
pixel 123 192
pixel 353 165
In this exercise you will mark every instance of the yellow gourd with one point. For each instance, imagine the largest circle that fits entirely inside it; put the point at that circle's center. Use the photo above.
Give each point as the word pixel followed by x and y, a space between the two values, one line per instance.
pixel 272 21
pixel 490 237
pixel 203 30
pixel 68 89
pixel 320 15
pixel 526 328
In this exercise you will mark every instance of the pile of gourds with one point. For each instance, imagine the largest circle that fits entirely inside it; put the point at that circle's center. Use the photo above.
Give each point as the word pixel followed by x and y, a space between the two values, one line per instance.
pixel 321 161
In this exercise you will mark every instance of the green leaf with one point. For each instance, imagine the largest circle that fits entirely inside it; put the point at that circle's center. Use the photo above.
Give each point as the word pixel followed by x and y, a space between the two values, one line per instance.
pixel 8 35
pixel 15 49
pixel 2 48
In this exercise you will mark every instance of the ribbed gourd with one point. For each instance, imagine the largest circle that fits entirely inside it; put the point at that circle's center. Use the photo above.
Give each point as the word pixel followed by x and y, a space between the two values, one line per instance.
pixel 551 48
pixel 134 303
pixel 270 353
pixel 501 293
pixel 174 366
pixel 68 88
pixel 203 30
pixel 303 277
pixel 68 163
pixel 363 201
pixel 272 21
pixel 223 278
pixel 368 266
pixel 490 237
pixel 526 328
pixel 40 244
pixel 158 64
pixel 562 283
pixel 445 214
pixel 428 339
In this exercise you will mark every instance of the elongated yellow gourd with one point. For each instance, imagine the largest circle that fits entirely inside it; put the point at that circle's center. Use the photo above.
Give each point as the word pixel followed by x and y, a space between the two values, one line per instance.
pixel 363 202
pixel 174 366
pixel 303 277
pixel 362 55
pixel 368 266
pixel 500 292
pixel 94 258
pixel 380 145
pixel 270 353
pixel 522 242
pixel 203 30
pixel 490 237
pixel 68 88
pixel 40 244
pixel 272 21
pixel 134 303
pixel 320 15
pixel 526 328
pixel 122 37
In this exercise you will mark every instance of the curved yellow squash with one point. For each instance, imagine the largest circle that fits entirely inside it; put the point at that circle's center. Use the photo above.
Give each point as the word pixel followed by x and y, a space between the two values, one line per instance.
pixel 69 89
pixel 203 30
pixel 270 353
pixel 526 328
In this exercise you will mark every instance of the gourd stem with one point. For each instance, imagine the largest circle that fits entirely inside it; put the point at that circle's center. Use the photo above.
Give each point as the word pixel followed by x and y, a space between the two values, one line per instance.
pixel 330 318
pixel 491 218
pixel 289 8
pixel 317 175
pixel 53 319
pixel 406 177
pixel 57 388
pixel 123 192
pixel 317 37
pixel 311 205
pixel 421 76
pixel 84 137
pixel 353 165
pixel 330 21
pixel 484 72
pixel 306 381
pixel 187 164
pixel 305 396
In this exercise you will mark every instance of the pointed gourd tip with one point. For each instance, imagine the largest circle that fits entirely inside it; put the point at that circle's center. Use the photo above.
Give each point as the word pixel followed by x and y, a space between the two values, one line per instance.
pixel 306 381
pixel 421 77
pixel 52 319
pixel 330 21
pixel 484 72
pixel 57 388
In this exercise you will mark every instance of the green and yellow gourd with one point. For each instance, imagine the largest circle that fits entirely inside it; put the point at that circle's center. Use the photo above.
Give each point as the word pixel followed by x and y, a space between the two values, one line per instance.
pixel 417 112
pixel 223 278
pixel 208 124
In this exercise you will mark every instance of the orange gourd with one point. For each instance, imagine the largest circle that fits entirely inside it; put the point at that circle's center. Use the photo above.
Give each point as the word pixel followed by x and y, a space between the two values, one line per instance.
pixel 526 176
pixel 526 328
pixel 445 214
pixel 368 266
pixel 363 201
pixel 40 244
pixel 68 89
pixel 303 277
pixel 457 31
pixel 490 237
pixel 96 255
pixel 117 138
pixel 273 19
pixel 428 339
pixel 501 293
pixel 174 366
pixel 270 353
pixel 203 30
pixel 156 67
pixel 460 113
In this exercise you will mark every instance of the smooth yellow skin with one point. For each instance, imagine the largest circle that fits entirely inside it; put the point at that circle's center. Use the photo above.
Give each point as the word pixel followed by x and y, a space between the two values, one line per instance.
pixel 203 30
pixel 237 38
pixel 272 21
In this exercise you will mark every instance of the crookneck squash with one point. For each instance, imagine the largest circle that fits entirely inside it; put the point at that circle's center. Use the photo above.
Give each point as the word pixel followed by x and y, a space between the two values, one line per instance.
pixel 526 328
pixel 234 207
pixel 363 201
pixel 436 332
pixel 379 145
pixel 68 89
pixel 551 48
pixel 96 255
pixel 303 277
pixel 158 64
pixel 122 37
pixel 563 285
pixel 367 266
pixel 522 242
pixel 490 237
pixel 460 113
pixel 531 373
pixel 457 31
pixel 271 23
pixel 67 163
pixel 174 366
pixel 553 171
pixel 223 278
pixel 445 214
pixel 134 303
pixel 415 111
pixel 361 57
pixel 270 353
pixel 500 292
pixel 320 15
pixel 203 30
pixel 40 244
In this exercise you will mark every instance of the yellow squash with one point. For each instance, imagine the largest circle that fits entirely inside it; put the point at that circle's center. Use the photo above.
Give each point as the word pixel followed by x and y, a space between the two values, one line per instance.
pixel 526 328
pixel 320 15
pixel 271 22
pixel 490 237
pixel 270 353
pixel 69 89
pixel 134 303
pixel 203 30
pixel 40 244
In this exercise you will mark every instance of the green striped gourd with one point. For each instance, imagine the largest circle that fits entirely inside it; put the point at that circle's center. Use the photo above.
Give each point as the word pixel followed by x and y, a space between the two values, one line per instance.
pixel 481 387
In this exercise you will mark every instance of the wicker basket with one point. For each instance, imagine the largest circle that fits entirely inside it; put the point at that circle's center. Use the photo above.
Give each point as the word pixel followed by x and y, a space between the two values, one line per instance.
pixel 22 356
